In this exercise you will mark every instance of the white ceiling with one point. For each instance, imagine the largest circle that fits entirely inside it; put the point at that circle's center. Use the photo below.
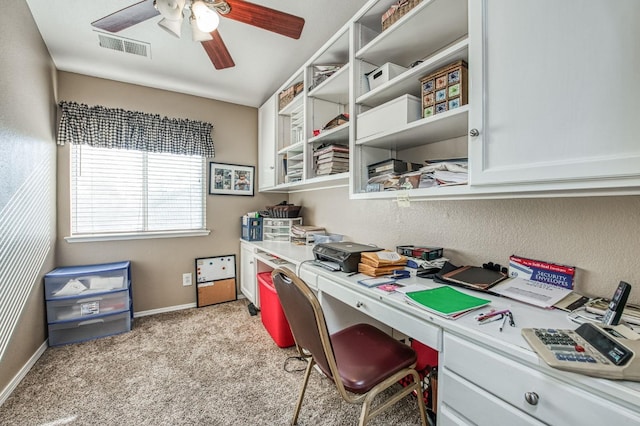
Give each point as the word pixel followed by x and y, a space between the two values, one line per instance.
pixel 264 60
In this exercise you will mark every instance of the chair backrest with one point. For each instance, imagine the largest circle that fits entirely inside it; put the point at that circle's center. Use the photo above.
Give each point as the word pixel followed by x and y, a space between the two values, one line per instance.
pixel 305 317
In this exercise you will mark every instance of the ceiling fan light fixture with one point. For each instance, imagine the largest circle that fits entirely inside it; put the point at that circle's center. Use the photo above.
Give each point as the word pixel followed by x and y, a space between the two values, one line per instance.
pixel 172 26
pixel 170 9
pixel 196 34
pixel 206 19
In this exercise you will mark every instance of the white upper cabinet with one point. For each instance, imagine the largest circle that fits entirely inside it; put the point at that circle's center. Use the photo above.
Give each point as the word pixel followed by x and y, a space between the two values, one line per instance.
pixel 267 144
pixel 556 92
pixel 549 93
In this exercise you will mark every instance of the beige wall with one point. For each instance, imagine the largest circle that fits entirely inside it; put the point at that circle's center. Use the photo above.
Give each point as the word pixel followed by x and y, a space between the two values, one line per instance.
pixel 599 235
pixel 27 111
pixel 158 264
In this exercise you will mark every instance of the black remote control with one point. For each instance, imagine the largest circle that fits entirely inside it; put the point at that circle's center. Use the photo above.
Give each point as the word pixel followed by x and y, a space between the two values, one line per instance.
pixel 616 306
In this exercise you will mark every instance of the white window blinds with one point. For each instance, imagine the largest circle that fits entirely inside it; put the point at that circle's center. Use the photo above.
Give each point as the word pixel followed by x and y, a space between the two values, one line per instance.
pixel 126 191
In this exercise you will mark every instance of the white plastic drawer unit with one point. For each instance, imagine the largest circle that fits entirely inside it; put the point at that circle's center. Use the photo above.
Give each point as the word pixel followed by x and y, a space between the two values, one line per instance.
pixel 76 308
pixel 62 333
pixel 81 280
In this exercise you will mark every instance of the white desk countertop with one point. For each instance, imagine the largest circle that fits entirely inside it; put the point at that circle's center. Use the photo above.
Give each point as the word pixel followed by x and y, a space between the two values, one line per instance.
pixel 509 342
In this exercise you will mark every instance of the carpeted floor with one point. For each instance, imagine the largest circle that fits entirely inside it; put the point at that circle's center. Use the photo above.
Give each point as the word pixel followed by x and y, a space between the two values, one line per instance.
pixel 204 366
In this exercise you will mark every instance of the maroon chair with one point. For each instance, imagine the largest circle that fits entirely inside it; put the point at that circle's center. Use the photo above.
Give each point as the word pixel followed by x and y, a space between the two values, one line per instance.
pixel 361 360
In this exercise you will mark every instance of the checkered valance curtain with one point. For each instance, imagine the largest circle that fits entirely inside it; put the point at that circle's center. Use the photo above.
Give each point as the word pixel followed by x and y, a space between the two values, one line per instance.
pixel 102 127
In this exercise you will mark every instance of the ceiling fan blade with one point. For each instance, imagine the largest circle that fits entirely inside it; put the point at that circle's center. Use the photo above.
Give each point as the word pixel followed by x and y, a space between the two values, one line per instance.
pixel 217 51
pixel 265 18
pixel 127 17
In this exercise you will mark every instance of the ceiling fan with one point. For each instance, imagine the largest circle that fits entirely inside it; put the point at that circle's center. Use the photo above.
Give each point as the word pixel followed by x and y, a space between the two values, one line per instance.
pixel 204 17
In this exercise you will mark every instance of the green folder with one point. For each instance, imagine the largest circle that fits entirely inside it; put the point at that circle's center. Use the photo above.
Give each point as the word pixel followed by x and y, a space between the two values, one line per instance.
pixel 446 301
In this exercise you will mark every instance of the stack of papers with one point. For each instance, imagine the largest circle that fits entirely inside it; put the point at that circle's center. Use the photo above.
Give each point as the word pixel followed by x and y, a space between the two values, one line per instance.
pixel 445 301
pixel 445 173
pixel 380 263
pixel 532 292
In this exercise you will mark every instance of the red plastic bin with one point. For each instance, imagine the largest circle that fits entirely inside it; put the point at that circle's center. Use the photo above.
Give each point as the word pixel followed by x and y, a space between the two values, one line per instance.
pixel 271 312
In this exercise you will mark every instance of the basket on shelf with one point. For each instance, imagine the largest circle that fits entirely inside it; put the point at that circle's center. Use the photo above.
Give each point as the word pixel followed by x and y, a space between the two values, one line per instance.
pixel 397 11
pixel 284 211
pixel 287 95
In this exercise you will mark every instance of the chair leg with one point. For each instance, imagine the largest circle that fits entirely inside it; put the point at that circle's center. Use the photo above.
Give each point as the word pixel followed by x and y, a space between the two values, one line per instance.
pixel 421 407
pixel 307 373
pixel 366 414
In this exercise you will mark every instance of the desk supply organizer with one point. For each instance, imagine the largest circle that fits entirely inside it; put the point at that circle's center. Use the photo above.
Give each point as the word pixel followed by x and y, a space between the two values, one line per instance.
pixel 445 89
pixel 278 229
pixel 251 228
pixel 88 302
pixel 215 280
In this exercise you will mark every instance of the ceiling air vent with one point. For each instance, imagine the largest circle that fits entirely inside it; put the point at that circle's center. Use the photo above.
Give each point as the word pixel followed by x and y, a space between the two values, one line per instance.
pixel 124 45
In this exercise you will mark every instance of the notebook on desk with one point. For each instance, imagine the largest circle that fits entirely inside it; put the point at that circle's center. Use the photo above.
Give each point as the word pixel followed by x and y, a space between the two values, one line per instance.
pixel 445 301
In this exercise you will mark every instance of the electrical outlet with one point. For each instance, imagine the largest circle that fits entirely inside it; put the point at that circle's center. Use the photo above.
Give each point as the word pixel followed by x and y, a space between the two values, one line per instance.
pixel 186 279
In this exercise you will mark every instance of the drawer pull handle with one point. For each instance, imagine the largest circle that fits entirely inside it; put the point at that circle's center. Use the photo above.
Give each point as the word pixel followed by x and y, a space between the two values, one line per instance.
pixel 531 397
pixel 359 304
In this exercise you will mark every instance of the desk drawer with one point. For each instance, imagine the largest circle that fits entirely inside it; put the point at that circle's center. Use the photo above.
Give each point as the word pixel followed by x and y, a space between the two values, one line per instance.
pixel 88 306
pixel 375 307
pixel 508 380
pixel 311 278
pixel 470 402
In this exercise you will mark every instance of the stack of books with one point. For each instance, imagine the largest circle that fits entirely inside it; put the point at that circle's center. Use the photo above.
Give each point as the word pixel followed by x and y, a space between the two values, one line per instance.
pixel 380 263
pixel 331 159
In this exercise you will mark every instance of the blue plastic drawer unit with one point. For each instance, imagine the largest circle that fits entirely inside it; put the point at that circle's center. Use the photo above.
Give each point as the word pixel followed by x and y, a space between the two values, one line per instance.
pixel 87 302
pixel 62 333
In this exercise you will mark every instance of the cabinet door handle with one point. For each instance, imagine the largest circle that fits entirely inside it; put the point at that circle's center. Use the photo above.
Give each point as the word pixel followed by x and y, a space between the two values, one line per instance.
pixel 474 132
pixel 531 398
pixel 272 167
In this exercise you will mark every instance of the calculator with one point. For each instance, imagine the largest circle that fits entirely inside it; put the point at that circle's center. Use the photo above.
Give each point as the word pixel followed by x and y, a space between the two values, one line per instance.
pixel 592 349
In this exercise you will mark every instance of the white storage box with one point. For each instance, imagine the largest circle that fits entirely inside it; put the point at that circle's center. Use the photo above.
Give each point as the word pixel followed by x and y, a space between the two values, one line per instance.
pixel 383 74
pixel 62 333
pixel 389 116
pixel 67 309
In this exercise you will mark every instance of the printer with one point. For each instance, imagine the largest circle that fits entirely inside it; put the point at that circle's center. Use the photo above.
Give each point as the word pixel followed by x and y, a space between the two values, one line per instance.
pixel 345 254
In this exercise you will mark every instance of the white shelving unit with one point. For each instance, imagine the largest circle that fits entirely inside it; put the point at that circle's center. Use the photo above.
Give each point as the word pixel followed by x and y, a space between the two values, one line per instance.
pixel 516 146
pixel 433 32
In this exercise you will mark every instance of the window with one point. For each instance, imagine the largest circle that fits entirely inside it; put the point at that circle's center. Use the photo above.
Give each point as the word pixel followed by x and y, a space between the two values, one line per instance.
pixel 116 191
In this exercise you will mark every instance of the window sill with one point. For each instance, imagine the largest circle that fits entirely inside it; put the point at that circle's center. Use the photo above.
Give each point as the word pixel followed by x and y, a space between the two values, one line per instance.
pixel 135 236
